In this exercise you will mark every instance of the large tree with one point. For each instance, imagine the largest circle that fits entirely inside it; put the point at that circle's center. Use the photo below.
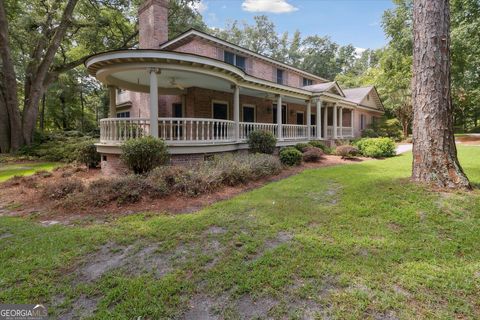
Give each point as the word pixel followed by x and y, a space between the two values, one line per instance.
pixel 434 152
pixel 40 40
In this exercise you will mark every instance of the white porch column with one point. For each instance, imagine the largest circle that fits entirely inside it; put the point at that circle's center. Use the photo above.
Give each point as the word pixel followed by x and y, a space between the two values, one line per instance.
pixel 112 110
pixel 236 111
pixel 335 121
pixel 279 118
pixel 325 122
pixel 319 119
pixel 341 122
pixel 154 102
pixel 352 121
pixel 309 119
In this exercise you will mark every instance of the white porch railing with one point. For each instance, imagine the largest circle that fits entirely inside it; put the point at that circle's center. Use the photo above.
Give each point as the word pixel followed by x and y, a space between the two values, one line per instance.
pixel 247 127
pixel 199 131
pixel 192 130
pixel 195 130
pixel 121 129
pixel 294 132
pixel 345 132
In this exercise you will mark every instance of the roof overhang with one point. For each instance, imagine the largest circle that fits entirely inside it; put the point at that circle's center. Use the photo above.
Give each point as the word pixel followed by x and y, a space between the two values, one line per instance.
pixel 127 68
pixel 192 33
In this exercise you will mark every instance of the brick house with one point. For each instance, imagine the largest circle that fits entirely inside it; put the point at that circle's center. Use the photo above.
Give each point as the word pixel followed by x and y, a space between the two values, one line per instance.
pixel 204 95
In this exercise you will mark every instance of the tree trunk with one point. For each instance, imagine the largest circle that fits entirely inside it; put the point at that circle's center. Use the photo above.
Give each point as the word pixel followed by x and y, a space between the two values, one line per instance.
pixel 42 114
pixel 434 152
pixel 4 124
pixel 9 85
pixel 38 80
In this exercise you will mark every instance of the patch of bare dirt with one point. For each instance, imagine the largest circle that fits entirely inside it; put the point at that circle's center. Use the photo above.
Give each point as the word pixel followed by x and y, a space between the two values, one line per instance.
pixel 473 139
pixel 83 307
pixel 21 200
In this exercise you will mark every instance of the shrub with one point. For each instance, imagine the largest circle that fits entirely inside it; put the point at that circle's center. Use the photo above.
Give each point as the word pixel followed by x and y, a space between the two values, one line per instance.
pixel 346 151
pixel 88 155
pixel 25 181
pixel 321 145
pixel 62 188
pixel 390 128
pixel 58 146
pixel 377 147
pixel 123 190
pixel 302 146
pixel 242 168
pixel 262 142
pixel 290 156
pixel 313 154
pixel 141 155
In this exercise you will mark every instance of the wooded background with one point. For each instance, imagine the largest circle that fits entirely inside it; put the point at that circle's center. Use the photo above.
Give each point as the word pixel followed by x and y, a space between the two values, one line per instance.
pixel 44 86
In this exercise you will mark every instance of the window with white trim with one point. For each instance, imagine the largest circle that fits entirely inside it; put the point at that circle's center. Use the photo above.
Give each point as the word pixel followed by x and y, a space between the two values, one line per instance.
pixel 234 59
pixel 125 114
pixel 363 120
pixel 307 82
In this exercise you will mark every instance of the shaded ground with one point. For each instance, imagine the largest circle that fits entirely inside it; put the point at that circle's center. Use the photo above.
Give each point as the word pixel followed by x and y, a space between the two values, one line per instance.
pixel 343 242
pixel 21 201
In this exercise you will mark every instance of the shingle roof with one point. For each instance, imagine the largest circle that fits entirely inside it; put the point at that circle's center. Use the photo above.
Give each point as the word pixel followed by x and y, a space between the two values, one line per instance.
pixel 320 87
pixel 357 94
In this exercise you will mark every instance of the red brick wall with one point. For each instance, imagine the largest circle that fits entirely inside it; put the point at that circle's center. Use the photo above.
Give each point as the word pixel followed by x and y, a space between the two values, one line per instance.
pixel 153 23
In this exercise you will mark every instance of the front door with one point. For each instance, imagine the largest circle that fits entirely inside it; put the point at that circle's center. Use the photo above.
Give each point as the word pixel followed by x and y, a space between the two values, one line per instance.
pixel 177 110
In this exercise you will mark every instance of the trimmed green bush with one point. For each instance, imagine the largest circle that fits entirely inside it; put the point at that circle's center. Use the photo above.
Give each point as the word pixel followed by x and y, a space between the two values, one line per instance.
pixel 302 146
pixel 88 155
pixel 141 155
pixel 261 141
pixel 321 145
pixel 313 154
pixel 377 147
pixel 347 151
pixel 290 156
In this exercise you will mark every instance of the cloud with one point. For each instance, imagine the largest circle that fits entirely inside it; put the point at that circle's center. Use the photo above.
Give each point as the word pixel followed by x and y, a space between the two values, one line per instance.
pixel 359 51
pixel 200 6
pixel 273 6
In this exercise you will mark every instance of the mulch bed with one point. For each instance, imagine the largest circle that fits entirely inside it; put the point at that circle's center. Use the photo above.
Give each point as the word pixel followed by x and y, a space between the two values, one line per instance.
pixel 27 202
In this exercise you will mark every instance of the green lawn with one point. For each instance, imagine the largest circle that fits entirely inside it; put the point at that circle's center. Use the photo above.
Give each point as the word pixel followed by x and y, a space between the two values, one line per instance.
pixel 348 242
pixel 24 169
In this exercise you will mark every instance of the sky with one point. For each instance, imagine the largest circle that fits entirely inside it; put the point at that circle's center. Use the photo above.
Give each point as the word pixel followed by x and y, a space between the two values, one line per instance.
pixel 356 22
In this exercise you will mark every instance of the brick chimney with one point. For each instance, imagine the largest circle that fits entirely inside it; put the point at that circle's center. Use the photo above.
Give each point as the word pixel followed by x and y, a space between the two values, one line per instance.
pixel 153 23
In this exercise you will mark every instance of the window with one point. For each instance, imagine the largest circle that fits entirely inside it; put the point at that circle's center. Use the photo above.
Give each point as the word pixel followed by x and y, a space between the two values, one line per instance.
pixel 280 73
pixel 299 118
pixel 284 113
pixel 234 59
pixel 363 119
pixel 220 110
pixel 307 82
pixel 125 114
pixel 248 113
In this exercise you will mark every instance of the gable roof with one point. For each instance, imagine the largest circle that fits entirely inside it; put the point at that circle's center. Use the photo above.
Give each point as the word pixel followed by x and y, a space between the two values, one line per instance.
pixel 190 34
pixel 324 87
pixel 357 95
